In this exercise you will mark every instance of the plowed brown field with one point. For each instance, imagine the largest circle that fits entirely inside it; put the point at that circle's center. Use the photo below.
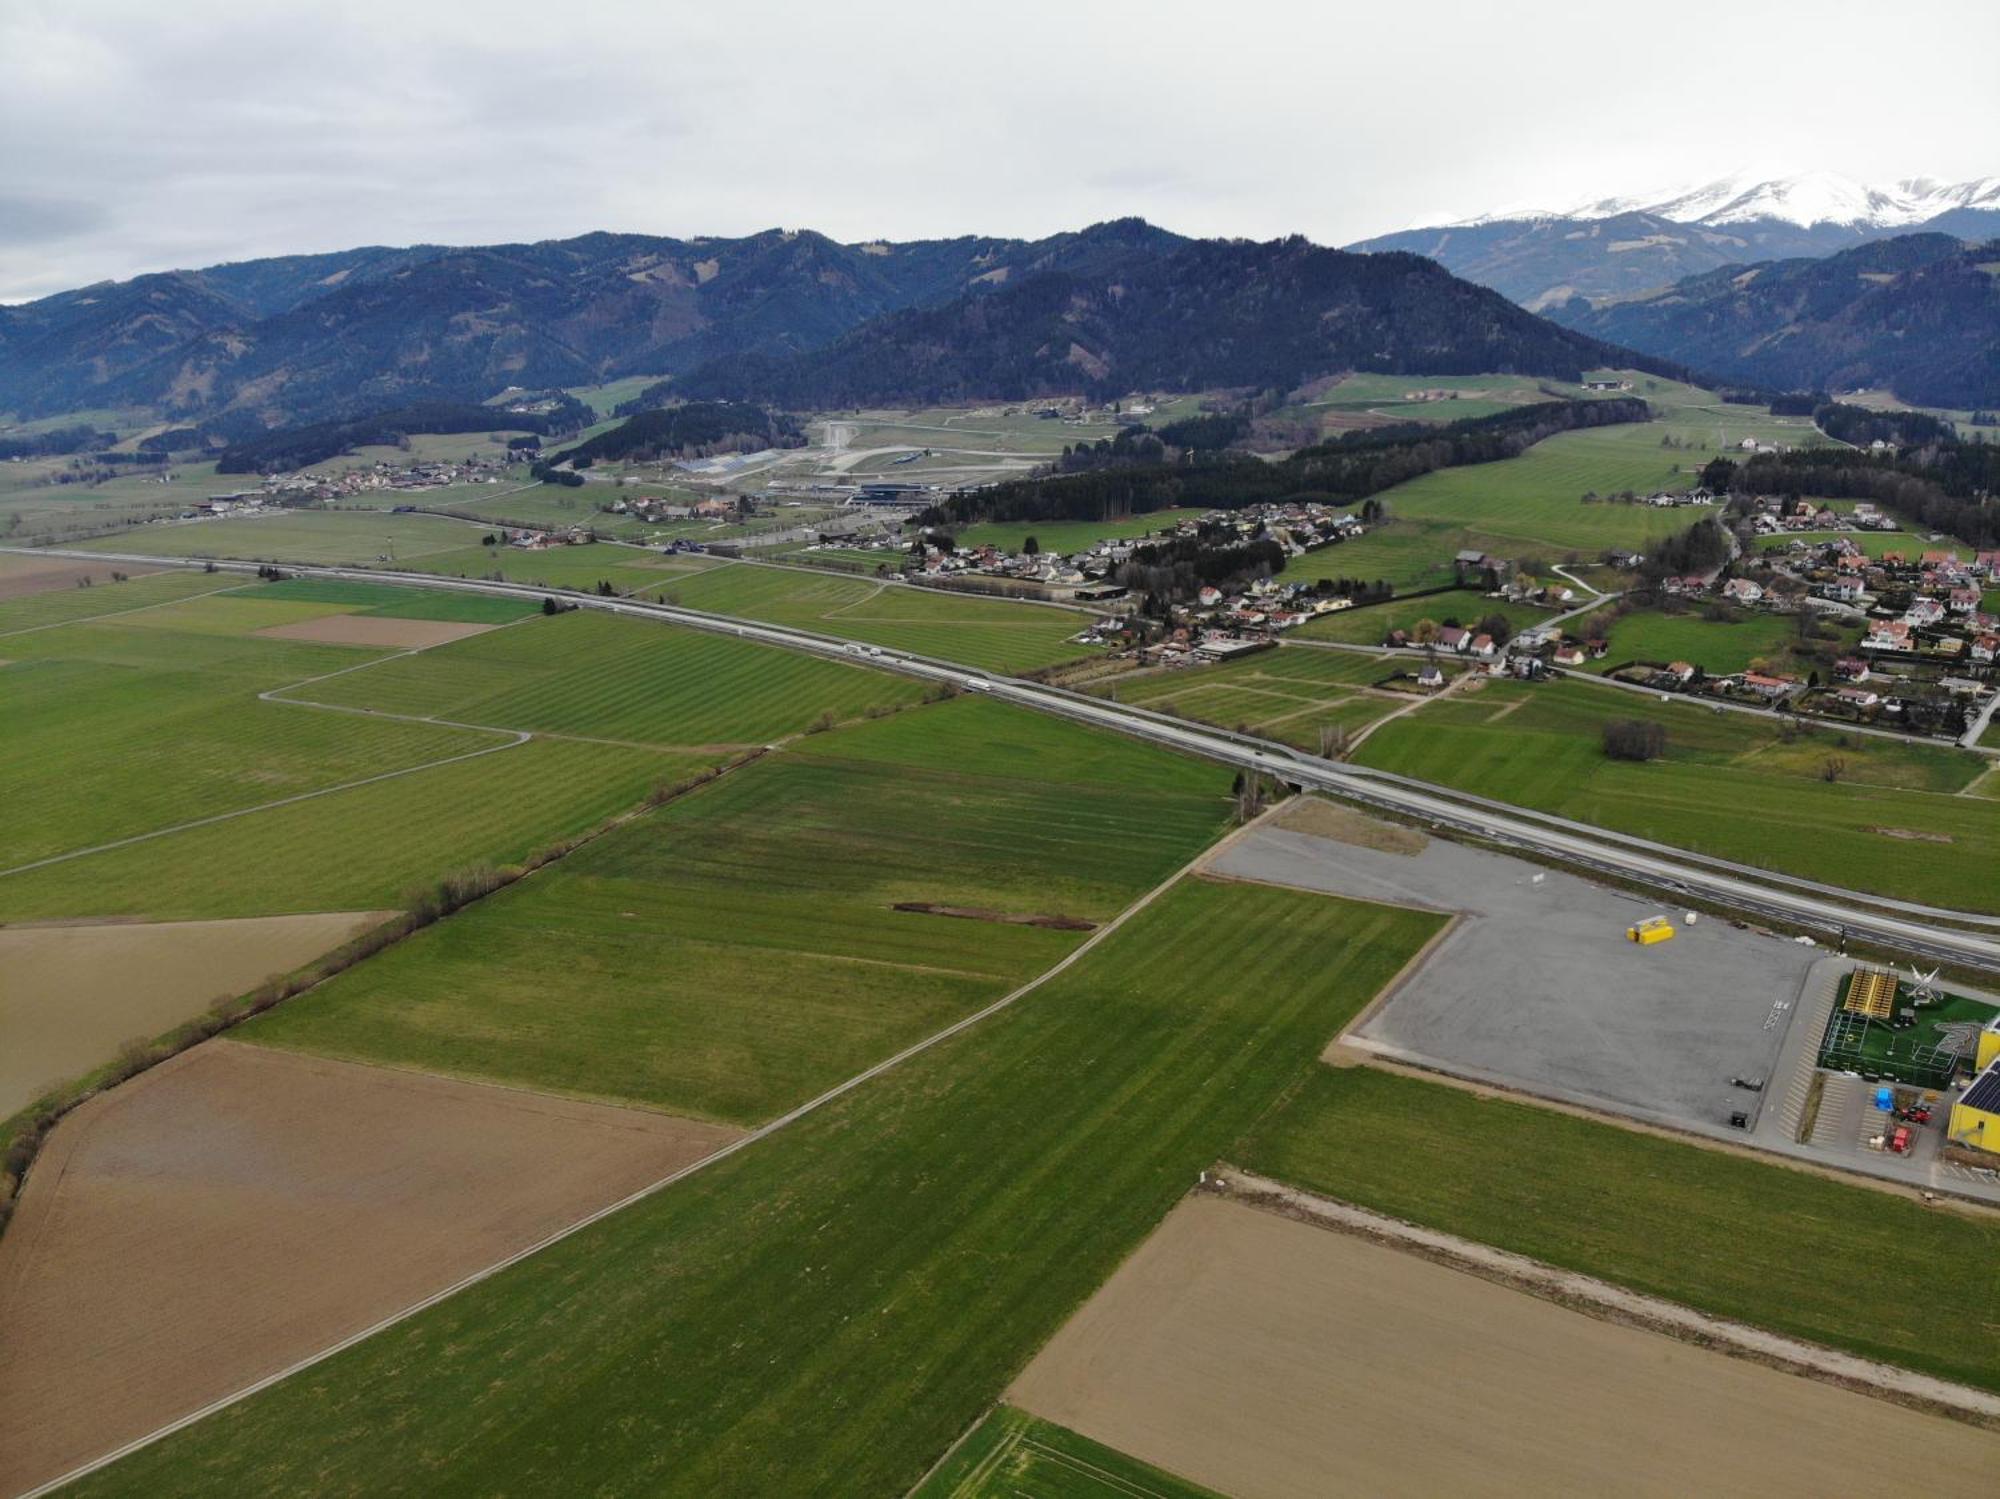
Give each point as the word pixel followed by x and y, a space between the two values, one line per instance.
pixel 374 629
pixel 236 1209
pixel 1270 1359
pixel 21 576
pixel 72 992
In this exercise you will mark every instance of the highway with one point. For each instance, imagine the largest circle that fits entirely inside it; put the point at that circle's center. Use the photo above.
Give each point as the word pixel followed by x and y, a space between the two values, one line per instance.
pixel 1920 931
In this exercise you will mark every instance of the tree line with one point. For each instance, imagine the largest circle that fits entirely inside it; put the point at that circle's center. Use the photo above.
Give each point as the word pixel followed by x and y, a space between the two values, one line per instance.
pixel 697 428
pixel 300 447
pixel 1342 471
pixel 1946 486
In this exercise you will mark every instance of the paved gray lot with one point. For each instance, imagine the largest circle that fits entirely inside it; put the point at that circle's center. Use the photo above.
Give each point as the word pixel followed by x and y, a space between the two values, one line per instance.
pixel 1539 988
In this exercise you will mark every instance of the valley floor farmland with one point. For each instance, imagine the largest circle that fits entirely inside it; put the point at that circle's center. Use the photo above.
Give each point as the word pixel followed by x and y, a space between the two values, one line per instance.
pixel 1759 1243
pixel 1281 1360
pixel 1012 1453
pixel 609 677
pixel 1532 506
pixel 1717 647
pixel 828 1309
pixel 741 950
pixel 328 536
pixel 362 848
pixel 151 719
pixel 1289 694
pixel 174 688
pixel 975 631
pixel 235 1209
pixel 1730 785
pixel 29 612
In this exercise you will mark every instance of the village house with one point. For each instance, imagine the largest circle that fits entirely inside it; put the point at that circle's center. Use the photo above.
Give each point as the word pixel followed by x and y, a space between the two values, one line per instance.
pixel 1766 685
pixel 1742 591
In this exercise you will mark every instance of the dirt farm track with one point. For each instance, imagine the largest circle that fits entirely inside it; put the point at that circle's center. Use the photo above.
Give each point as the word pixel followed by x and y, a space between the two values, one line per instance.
pixel 238 1208
pixel 1272 1359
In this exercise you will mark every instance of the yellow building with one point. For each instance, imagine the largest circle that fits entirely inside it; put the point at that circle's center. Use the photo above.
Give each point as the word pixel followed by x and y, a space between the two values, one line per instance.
pixel 1975 1117
pixel 1989 1046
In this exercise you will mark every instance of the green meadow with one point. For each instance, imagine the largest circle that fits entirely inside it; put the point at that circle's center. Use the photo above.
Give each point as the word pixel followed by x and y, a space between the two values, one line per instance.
pixel 612 677
pixel 1372 623
pixel 42 611
pixel 40 506
pixel 331 537
pixel 1405 554
pixel 1718 647
pixel 1013 1453
pixel 363 848
pixel 828 1309
pixel 1731 785
pixel 1289 694
pixel 992 633
pixel 626 568
pixel 147 720
pixel 1532 505
pixel 392 601
pixel 1068 537
pixel 740 950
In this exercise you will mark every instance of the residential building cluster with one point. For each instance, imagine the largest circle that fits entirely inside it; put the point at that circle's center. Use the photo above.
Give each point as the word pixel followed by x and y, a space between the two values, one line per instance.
pixel 1924 655
pixel 1297 528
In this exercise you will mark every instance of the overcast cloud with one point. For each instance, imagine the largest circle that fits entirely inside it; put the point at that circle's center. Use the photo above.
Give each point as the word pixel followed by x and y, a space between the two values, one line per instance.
pixel 139 136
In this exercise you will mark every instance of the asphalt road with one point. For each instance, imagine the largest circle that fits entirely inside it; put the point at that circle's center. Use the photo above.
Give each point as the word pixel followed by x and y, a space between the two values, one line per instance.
pixel 1920 931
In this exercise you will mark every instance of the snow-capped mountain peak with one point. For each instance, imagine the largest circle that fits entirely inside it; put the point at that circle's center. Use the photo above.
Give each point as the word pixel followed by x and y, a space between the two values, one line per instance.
pixel 1806 199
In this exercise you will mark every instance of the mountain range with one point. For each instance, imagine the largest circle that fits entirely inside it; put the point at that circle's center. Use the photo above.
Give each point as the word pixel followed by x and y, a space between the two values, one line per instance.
pixel 792 316
pixel 321 336
pixel 1172 315
pixel 1609 248
pixel 1919 314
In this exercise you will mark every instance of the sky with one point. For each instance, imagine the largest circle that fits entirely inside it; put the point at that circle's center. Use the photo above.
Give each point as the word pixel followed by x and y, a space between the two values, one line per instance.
pixel 139 136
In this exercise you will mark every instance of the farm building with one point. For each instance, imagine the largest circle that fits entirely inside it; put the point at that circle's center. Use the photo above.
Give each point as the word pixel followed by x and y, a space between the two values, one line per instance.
pixel 1975 1117
pixel 1989 1045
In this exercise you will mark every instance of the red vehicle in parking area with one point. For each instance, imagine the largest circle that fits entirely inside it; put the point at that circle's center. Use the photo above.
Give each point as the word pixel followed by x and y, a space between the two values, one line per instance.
pixel 1900 1141
pixel 1915 1114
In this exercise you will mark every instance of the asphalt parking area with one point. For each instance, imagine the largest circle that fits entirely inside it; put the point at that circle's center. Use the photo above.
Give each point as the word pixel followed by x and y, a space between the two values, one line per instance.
pixel 1538 988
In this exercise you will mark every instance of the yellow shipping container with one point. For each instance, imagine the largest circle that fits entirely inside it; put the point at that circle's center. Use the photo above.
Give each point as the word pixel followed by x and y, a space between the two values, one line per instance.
pixel 1650 931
